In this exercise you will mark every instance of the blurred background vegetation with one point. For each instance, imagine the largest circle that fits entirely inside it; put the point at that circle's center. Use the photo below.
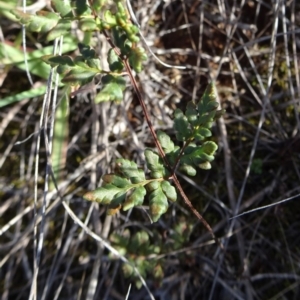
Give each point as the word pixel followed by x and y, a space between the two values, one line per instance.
pixel 251 50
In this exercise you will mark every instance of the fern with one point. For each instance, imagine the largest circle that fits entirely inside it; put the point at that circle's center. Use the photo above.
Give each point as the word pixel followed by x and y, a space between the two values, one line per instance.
pixel 128 187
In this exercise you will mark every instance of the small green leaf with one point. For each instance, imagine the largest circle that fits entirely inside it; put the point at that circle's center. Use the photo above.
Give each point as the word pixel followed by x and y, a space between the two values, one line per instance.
pixel 122 240
pixel 110 18
pixel 58 60
pixel 88 24
pixel 210 147
pixel 140 240
pixel 121 9
pixel 199 154
pixel 63 69
pixel 192 113
pixel 133 29
pixel 121 41
pixel 172 156
pixel 135 199
pixel 153 185
pixel 121 20
pixel 82 7
pixel 212 105
pixel 204 132
pixel 80 74
pixel 133 37
pixel 94 63
pixel 201 133
pixel 130 170
pixel 154 164
pixel 158 203
pixel 113 87
pixel 62 7
pixel 115 65
pixel 165 142
pixel 169 190
pixel 205 166
pixel 43 22
pixel 116 180
pixel 116 204
pixel 182 126
pixel 77 71
pixel 136 58
pixel 187 169
pixel 104 194
pixel 138 283
pixel 207 106
pixel 206 119
pixel 62 27
pixel 127 270
pixel 86 51
pixel 210 94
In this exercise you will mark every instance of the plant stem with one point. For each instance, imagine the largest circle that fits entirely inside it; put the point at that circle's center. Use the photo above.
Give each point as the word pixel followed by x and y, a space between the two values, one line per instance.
pixel 156 141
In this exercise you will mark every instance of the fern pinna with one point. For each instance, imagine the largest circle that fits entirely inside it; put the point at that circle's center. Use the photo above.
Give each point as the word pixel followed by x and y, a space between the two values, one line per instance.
pixel 129 185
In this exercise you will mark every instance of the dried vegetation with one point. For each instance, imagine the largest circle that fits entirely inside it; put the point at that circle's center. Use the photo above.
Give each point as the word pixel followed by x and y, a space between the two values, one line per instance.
pixel 251 50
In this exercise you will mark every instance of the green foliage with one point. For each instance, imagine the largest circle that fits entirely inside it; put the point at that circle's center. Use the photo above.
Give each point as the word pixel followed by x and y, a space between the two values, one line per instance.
pixel 193 127
pixel 82 69
pixel 82 8
pixel 112 89
pixel 137 247
pixel 136 57
pixel 155 164
pixel 129 186
pixel 135 54
pixel 158 202
pixel 43 22
pixel 79 70
pixel 114 62
pixel 166 142
pixel 199 155
pixel 74 71
pixel 64 8
pixel 179 235
pixel 124 188
pixel 190 145
pixel 195 124
pixel 141 250
pixel 61 28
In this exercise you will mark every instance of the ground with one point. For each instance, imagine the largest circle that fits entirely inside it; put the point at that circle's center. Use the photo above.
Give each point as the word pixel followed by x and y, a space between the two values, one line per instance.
pixel 250 50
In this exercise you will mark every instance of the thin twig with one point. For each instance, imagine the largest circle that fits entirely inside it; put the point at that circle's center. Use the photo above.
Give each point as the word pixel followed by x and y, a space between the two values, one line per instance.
pixel 156 141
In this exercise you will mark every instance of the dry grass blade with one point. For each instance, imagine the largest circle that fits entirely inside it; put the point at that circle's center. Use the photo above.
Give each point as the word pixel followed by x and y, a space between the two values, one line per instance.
pixel 62 249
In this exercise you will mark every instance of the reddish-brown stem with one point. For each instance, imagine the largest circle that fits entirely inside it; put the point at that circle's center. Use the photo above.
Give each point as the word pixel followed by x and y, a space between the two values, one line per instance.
pixel 156 141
